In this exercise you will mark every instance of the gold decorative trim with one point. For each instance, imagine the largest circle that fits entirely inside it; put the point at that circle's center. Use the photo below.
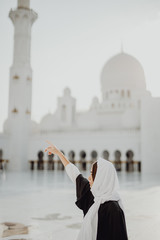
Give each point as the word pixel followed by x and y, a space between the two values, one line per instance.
pixel 28 112
pixel 15 77
pixel 15 110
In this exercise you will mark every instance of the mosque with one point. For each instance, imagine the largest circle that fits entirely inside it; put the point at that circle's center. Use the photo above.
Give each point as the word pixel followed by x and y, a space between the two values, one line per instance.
pixel 124 124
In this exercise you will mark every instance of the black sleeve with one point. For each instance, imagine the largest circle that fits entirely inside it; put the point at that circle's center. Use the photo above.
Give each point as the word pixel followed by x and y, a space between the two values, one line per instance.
pixel 85 197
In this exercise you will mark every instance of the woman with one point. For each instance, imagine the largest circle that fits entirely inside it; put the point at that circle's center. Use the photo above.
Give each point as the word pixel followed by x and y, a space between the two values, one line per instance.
pixel 98 198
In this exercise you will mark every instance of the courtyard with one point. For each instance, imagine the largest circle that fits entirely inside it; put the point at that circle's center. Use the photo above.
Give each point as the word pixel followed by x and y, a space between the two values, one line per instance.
pixel 39 205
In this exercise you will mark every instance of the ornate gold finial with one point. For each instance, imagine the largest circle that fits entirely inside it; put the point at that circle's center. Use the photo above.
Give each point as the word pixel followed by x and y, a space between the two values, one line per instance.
pixel 16 77
pixel 15 110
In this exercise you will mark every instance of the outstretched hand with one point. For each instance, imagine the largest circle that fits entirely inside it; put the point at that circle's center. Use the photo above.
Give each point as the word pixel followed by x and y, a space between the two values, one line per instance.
pixel 52 149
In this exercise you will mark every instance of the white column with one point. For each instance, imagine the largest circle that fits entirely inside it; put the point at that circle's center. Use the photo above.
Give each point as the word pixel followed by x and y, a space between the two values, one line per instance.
pixel 20 87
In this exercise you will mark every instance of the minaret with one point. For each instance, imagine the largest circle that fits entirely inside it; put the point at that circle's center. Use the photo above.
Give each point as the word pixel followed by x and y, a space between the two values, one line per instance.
pixel 20 86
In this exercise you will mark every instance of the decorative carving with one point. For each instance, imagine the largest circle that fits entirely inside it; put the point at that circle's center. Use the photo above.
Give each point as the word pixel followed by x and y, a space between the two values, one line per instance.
pixel 28 112
pixel 16 77
pixel 15 110
pixel 29 78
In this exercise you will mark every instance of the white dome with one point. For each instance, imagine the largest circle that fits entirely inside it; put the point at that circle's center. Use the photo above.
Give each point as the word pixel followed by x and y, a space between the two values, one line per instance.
pixel 122 72
pixel 48 122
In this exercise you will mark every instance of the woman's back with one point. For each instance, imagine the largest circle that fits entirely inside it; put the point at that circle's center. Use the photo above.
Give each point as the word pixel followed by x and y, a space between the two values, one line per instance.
pixel 111 222
pixel 111 219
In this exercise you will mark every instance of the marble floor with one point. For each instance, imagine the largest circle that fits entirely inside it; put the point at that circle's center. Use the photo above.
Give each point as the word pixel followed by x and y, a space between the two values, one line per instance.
pixel 40 205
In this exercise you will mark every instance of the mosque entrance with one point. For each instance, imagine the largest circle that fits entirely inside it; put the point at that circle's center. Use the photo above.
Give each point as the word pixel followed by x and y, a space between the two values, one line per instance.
pixel 105 154
pixel 117 160
pixel 72 156
pixel 129 161
pixel 83 160
pixel 93 156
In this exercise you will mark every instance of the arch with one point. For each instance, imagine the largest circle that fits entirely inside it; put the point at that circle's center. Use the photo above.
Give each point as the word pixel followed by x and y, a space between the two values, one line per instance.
pixel 71 155
pixel 1 153
pixel 129 154
pixel 113 105
pixel 82 154
pixel 94 154
pixel 117 161
pixel 60 164
pixel 51 162
pixel 40 162
pixel 122 93
pixel 1 159
pixel 83 160
pixel 129 161
pixel 105 154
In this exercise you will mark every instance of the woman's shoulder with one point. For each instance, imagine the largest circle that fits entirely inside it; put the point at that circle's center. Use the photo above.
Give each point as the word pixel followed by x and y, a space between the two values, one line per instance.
pixel 110 207
pixel 82 185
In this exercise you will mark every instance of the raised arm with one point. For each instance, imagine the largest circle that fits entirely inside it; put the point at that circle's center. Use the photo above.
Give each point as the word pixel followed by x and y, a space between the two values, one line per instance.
pixel 71 169
pixel 53 149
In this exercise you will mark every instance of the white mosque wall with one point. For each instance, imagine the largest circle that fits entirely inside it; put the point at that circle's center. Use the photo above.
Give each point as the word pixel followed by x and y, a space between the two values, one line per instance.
pixel 150 138
pixel 4 145
pixel 88 141
pixel 117 123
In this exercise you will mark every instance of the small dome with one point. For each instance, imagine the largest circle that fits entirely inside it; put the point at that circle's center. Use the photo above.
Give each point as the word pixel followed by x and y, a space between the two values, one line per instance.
pixel 67 91
pixel 49 122
pixel 122 71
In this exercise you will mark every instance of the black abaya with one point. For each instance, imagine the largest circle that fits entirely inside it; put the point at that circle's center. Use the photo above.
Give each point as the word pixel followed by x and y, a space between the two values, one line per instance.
pixel 111 219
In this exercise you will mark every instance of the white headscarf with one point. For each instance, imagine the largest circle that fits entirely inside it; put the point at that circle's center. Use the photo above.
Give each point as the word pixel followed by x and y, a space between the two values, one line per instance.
pixel 105 188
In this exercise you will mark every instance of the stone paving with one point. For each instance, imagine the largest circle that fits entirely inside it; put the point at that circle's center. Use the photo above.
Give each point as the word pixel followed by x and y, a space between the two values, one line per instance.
pixel 40 206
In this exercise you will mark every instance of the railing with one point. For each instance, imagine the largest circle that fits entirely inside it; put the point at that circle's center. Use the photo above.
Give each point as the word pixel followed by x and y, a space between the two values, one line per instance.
pixel 84 165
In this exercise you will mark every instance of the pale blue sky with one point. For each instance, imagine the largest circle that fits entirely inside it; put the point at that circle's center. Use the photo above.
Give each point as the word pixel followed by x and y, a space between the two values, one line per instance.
pixel 72 40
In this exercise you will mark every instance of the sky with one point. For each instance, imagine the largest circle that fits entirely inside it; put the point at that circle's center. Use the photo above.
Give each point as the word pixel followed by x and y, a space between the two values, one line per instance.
pixel 71 42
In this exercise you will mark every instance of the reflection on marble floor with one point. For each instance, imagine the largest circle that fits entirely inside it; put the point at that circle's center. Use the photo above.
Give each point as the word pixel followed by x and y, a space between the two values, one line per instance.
pixel 43 202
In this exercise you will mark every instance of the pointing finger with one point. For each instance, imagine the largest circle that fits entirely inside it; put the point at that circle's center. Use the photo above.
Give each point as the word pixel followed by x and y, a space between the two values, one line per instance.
pixel 49 143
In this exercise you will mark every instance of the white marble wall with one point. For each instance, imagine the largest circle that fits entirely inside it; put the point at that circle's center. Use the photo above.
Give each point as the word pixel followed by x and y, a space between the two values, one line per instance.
pixel 150 122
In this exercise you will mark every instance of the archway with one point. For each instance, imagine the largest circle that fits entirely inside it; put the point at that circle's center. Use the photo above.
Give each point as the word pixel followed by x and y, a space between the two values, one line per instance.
pixel 1 159
pixel 40 163
pixel 72 156
pixel 60 164
pixel 117 160
pixel 129 161
pixel 83 159
pixel 105 154
pixel 51 162
pixel 94 155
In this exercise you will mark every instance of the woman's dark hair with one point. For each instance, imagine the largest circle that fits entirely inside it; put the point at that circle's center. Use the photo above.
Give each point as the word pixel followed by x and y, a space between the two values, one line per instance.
pixel 94 170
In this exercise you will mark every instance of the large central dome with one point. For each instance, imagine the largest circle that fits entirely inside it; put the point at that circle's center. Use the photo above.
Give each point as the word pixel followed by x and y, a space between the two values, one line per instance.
pixel 122 71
